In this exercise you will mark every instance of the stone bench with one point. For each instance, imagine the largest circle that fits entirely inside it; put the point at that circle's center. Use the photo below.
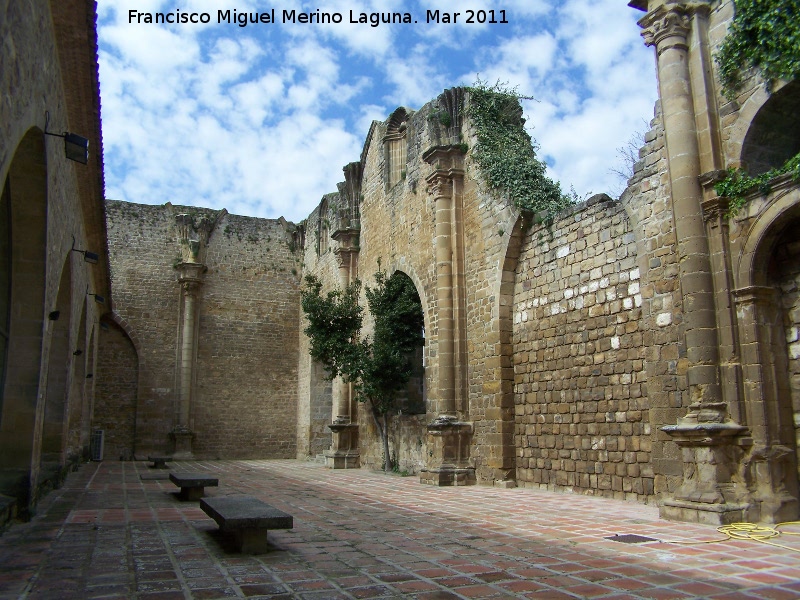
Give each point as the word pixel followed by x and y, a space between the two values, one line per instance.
pixel 192 484
pixel 159 462
pixel 248 518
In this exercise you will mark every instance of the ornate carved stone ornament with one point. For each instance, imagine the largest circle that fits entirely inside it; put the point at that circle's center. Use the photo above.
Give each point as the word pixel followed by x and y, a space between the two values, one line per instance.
pixel 665 23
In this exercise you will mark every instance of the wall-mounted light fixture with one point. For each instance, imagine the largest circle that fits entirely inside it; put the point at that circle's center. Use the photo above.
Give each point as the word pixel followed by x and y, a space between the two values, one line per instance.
pixel 76 147
pixel 89 257
pixel 97 298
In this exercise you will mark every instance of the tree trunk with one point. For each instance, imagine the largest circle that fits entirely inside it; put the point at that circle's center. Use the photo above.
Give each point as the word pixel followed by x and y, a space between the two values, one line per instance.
pixel 387 465
pixel 383 430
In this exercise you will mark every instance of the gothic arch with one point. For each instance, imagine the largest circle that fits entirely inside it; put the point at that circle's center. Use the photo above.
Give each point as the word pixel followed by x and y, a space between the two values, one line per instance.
pixel 783 209
pixel 56 407
pixel 764 310
pixel 116 386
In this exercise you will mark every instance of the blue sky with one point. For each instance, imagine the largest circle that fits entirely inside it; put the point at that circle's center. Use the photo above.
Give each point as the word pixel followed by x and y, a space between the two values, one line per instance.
pixel 261 119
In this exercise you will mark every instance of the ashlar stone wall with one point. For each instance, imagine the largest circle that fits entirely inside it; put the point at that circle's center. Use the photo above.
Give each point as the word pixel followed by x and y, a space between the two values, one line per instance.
pixel 244 398
pixel 582 418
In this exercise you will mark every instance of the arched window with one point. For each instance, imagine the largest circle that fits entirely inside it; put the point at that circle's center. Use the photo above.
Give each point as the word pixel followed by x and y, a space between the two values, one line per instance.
pixel 774 134
pixel 396 147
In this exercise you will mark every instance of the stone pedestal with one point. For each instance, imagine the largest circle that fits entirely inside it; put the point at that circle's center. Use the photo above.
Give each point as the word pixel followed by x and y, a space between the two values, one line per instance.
pixel 343 453
pixel 182 436
pixel 711 447
pixel 448 453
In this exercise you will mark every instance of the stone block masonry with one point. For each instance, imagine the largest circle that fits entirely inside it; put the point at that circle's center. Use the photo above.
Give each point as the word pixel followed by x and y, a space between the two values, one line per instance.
pixel 244 391
pixel 581 412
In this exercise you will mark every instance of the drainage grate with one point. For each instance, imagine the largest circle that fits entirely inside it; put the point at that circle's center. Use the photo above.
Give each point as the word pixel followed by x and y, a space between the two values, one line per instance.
pixel 631 538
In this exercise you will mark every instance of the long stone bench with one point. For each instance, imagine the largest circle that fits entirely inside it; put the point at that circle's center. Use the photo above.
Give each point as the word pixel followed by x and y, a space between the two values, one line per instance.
pixel 248 518
pixel 193 484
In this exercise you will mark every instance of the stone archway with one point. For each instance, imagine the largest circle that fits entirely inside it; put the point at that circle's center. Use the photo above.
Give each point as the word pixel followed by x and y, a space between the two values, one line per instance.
pixel 768 305
pixel 773 135
pixel 24 200
pixel 56 406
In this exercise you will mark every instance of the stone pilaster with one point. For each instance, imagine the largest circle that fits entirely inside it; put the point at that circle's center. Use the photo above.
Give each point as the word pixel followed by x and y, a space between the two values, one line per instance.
pixel 190 277
pixel 770 467
pixel 706 434
pixel 449 439
pixel 344 453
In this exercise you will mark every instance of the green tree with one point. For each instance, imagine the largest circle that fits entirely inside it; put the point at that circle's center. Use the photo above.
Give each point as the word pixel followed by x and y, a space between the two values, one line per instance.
pixel 380 368
pixel 397 312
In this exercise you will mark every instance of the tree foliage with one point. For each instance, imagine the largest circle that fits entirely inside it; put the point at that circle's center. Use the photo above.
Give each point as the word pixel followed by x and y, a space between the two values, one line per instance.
pixel 378 368
pixel 765 34
pixel 396 309
pixel 334 324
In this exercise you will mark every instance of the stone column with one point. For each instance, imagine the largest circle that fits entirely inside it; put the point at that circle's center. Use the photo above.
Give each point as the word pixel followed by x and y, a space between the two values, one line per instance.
pixel 706 432
pixel 344 453
pixel 190 278
pixel 449 439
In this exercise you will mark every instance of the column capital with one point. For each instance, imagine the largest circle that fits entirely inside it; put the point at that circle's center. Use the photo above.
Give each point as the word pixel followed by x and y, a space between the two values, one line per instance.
pixel 755 294
pixel 190 272
pixel 667 27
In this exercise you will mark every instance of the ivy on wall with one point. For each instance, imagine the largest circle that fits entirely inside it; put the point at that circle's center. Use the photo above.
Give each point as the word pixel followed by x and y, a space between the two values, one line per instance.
pixel 737 184
pixel 505 153
pixel 765 34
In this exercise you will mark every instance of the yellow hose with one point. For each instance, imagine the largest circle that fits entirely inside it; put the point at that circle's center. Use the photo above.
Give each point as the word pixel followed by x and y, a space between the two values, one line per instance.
pixel 747 531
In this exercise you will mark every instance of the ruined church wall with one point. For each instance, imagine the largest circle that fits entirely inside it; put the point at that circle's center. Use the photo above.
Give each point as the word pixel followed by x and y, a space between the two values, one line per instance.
pixel 244 403
pixel 397 228
pixel 314 392
pixel 582 420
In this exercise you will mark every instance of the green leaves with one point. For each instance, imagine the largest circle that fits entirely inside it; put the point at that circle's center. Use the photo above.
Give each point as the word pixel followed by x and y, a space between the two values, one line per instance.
pixel 380 368
pixel 505 153
pixel 737 184
pixel 334 323
pixel 765 34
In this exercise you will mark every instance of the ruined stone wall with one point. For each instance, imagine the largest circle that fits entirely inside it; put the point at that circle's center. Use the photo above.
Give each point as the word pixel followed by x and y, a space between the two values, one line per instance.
pixel 244 403
pixel 582 419
pixel 116 385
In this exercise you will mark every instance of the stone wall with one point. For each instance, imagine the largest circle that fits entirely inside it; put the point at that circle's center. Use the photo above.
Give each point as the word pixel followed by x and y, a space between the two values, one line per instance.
pixel 50 206
pixel 244 394
pixel 582 418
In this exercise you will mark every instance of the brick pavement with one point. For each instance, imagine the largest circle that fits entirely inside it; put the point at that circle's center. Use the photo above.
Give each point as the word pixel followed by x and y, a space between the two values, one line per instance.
pixel 109 533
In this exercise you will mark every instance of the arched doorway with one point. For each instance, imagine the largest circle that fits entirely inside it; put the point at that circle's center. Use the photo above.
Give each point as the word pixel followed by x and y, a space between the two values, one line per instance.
pixel 22 255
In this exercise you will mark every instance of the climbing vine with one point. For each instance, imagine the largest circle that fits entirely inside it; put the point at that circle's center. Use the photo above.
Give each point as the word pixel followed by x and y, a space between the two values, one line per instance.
pixel 737 184
pixel 505 153
pixel 765 34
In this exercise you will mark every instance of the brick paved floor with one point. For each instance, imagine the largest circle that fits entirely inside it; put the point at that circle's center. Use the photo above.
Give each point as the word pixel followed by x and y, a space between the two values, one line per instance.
pixel 110 533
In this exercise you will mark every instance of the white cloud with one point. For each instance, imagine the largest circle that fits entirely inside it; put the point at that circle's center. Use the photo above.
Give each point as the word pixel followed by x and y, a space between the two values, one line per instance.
pixel 261 119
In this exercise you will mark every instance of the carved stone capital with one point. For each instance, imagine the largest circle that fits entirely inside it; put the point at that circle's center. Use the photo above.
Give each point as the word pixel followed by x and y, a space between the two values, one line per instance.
pixel 755 294
pixel 714 210
pixel 439 184
pixel 666 27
